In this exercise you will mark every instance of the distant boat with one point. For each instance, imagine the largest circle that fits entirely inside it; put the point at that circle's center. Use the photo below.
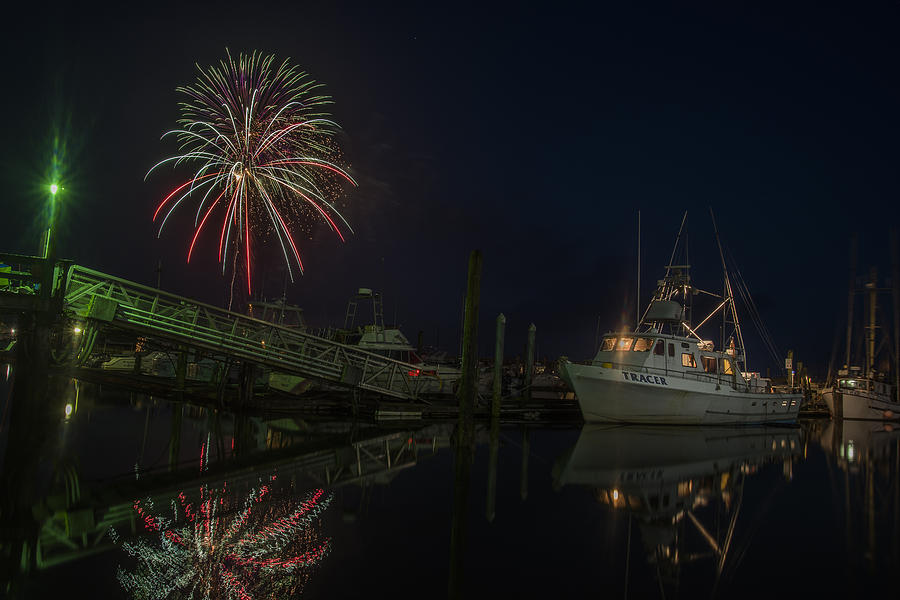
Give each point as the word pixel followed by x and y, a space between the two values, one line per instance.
pixel 863 393
pixel 663 372
pixel 391 342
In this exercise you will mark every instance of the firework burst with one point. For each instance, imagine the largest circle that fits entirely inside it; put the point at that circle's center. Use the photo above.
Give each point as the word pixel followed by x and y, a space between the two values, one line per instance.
pixel 264 155
pixel 217 549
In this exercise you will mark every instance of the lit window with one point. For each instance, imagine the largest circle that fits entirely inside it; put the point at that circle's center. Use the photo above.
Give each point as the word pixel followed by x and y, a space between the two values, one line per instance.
pixel 726 367
pixel 609 344
pixel 643 344
pixel 624 344
pixel 709 363
pixel 687 360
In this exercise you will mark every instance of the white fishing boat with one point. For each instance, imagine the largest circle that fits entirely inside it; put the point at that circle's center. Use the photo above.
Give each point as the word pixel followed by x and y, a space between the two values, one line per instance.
pixel 664 372
pixel 863 393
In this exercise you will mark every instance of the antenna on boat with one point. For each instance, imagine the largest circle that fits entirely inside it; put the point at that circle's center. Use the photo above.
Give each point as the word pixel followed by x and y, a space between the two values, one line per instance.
pixel 637 313
pixel 729 296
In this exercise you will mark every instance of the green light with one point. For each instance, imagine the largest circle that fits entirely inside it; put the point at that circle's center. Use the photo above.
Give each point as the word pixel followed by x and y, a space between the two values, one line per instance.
pixel 54 188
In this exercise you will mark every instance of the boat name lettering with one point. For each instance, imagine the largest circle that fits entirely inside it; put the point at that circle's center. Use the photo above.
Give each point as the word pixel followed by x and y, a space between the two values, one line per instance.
pixel 641 378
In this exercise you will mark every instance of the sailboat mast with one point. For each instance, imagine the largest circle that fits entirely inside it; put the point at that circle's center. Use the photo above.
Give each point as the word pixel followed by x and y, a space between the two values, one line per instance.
pixel 850 298
pixel 870 330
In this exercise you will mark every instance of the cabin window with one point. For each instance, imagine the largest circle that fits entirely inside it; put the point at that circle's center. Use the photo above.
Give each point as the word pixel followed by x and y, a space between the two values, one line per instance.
pixel 687 360
pixel 709 363
pixel 624 344
pixel 609 344
pixel 660 349
pixel 849 384
pixel 643 345
pixel 672 350
pixel 726 367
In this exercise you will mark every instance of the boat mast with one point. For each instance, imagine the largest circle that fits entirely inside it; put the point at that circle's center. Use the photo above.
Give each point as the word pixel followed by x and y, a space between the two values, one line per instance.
pixel 729 298
pixel 895 285
pixel 850 298
pixel 637 313
pixel 870 330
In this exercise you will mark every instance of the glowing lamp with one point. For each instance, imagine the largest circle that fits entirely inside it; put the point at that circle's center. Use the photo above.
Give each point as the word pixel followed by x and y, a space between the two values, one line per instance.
pixel 54 188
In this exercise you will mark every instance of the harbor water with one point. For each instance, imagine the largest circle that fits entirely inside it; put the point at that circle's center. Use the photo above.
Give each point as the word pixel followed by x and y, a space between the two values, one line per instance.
pixel 123 495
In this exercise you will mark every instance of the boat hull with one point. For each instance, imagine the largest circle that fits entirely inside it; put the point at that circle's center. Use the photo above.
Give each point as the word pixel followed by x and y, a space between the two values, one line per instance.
pixel 617 395
pixel 862 406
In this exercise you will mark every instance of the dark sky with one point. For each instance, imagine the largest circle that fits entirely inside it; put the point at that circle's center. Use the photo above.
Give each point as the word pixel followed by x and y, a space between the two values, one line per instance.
pixel 534 134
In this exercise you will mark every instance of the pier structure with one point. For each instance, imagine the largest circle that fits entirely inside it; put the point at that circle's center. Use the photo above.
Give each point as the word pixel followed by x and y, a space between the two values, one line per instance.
pixel 72 300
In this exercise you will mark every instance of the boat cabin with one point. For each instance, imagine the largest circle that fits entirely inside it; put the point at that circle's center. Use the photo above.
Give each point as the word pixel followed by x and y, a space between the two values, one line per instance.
pixel 863 385
pixel 667 352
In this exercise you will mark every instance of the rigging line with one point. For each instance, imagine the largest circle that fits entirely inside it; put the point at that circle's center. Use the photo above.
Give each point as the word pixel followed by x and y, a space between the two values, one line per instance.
pixel 677 241
pixel 757 321
pixel 753 310
pixel 766 336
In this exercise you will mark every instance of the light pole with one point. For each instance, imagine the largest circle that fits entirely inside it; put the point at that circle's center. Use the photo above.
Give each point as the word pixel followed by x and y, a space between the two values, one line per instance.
pixel 48 249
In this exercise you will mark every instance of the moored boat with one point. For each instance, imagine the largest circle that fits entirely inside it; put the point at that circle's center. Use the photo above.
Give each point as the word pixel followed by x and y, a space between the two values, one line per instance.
pixel 663 372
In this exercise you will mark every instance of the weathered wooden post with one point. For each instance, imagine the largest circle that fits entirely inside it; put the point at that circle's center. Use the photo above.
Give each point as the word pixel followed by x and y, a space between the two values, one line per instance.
pixel 498 367
pixel 181 369
pixel 246 380
pixel 526 450
pixel 465 431
pixel 529 363
pixel 495 420
pixel 490 509
pixel 468 383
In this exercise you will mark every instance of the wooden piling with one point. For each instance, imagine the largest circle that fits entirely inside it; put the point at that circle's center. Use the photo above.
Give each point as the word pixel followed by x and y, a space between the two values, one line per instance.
pixel 490 509
pixel 498 366
pixel 468 382
pixel 529 363
pixel 495 419
pixel 526 451
pixel 465 432
pixel 181 369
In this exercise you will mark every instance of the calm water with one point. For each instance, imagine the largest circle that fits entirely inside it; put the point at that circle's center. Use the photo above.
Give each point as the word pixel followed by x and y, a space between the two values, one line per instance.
pixel 605 512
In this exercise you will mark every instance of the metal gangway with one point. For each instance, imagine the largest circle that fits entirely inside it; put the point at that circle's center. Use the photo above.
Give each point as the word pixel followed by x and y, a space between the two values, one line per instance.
pixel 97 299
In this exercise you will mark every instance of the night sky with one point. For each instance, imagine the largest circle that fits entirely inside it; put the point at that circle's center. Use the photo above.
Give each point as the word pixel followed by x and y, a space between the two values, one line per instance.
pixel 534 134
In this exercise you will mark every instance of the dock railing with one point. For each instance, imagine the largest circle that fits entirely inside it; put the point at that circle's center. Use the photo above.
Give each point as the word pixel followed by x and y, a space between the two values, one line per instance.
pixel 98 298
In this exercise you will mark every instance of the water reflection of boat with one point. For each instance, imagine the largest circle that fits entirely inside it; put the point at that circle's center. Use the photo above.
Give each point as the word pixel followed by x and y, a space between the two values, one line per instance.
pixel 666 477
pixel 853 441
pixel 865 482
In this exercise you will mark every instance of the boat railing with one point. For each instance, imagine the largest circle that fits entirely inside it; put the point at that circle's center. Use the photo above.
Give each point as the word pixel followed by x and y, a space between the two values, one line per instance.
pixel 702 376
